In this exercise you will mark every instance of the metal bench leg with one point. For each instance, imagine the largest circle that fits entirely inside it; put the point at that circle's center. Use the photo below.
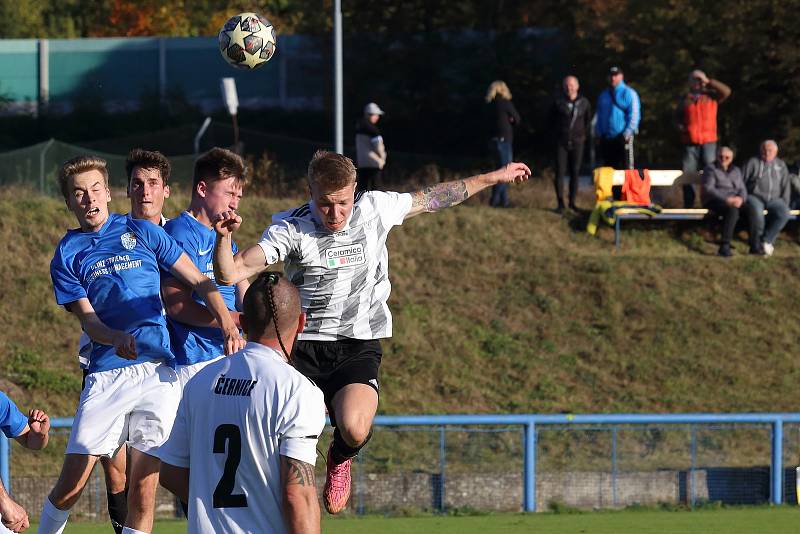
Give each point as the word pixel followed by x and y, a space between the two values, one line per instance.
pixel 617 232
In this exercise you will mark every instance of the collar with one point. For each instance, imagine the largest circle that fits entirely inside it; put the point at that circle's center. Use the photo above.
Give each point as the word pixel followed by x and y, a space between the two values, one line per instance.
pixel 258 349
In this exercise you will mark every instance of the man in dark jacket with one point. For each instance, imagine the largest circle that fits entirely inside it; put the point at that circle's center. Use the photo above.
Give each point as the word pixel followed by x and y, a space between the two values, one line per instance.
pixel 768 188
pixel 570 120
pixel 724 193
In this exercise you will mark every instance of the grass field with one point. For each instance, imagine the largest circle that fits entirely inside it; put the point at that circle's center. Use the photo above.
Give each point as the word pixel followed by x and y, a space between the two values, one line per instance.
pixel 707 521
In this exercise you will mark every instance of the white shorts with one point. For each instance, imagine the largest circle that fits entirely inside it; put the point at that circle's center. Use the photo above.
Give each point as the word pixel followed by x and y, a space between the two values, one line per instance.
pixel 134 404
pixel 186 372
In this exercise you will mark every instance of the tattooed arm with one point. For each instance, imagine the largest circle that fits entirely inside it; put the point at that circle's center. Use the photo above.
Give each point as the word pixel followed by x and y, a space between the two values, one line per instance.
pixel 440 196
pixel 300 504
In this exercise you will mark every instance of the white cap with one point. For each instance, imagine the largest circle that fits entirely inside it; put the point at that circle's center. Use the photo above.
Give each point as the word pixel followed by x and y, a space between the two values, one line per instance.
pixel 372 109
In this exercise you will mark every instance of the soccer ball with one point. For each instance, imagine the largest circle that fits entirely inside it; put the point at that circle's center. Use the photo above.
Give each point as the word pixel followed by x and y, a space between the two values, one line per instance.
pixel 247 41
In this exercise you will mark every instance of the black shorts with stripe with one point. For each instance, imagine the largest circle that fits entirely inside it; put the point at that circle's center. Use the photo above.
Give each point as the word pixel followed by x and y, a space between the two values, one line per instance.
pixel 333 365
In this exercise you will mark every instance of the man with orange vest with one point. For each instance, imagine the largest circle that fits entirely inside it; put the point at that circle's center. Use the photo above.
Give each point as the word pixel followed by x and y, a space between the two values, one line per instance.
pixel 697 121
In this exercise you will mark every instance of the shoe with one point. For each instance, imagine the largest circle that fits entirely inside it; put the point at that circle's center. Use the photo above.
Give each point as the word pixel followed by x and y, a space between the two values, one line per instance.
pixel 559 209
pixel 758 250
pixel 725 251
pixel 769 249
pixel 573 207
pixel 337 484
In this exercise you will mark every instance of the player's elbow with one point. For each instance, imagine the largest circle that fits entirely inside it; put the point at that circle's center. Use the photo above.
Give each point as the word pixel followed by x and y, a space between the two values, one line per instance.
pixel 301 509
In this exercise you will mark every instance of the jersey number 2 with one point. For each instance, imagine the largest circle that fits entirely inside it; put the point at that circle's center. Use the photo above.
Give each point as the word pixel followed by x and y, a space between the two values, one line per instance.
pixel 223 494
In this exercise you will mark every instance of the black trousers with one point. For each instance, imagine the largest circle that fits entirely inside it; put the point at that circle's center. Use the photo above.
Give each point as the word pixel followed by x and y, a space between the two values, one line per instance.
pixel 615 152
pixel 568 158
pixel 730 216
pixel 368 178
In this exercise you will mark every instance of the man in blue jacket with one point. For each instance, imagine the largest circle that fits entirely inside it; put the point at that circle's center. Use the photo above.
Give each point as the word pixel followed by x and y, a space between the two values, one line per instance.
pixel 618 115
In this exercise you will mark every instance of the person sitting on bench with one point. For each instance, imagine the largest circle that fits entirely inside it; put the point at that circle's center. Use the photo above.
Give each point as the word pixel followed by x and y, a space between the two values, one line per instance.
pixel 768 187
pixel 724 193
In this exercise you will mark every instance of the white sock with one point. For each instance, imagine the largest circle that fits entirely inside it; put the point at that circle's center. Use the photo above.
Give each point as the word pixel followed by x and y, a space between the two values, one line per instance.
pixel 53 520
pixel 129 530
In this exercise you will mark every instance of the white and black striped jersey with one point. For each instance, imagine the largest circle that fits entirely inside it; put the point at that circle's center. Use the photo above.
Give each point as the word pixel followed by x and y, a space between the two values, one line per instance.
pixel 343 276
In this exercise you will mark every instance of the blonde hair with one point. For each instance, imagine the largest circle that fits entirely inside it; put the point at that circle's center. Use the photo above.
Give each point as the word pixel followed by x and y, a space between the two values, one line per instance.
pixel 498 87
pixel 79 165
pixel 330 171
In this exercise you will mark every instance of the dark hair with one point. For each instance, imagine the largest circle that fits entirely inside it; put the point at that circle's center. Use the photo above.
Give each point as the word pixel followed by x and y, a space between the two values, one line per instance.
pixel 218 164
pixel 330 171
pixel 148 159
pixel 78 165
pixel 271 304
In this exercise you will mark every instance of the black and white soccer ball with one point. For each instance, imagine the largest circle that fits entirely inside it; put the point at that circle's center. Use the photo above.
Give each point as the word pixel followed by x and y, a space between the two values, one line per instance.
pixel 247 41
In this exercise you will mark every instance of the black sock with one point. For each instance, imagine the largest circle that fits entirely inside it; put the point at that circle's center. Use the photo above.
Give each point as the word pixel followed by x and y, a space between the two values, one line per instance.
pixel 185 508
pixel 117 509
pixel 341 451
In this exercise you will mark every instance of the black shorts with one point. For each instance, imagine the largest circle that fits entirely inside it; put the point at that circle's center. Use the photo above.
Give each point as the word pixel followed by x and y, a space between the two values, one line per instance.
pixel 334 364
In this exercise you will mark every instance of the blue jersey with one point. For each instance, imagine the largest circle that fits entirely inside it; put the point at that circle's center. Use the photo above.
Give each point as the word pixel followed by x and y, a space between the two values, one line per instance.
pixel 193 344
pixel 12 421
pixel 117 270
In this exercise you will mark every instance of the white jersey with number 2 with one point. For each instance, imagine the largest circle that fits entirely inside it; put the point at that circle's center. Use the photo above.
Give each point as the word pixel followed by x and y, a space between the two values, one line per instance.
pixel 237 417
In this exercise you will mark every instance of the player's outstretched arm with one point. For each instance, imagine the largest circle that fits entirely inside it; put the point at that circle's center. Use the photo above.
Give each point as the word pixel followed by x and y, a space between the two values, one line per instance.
pixel 440 196
pixel 187 272
pixel 300 504
pixel 123 342
pixel 14 516
pixel 36 433
pixel 230 269
pixel 175 480
pixel 180 305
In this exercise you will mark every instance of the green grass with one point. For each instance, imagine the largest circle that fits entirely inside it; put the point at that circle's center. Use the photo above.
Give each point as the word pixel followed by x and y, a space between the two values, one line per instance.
pixel 705 521
pixel 496 311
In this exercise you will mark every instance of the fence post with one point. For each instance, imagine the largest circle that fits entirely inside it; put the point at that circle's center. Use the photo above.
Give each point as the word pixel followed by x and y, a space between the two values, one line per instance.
pixel 614 465
pixel 442 460
pixel 693 493
pixel 4 474
pixel 530 467
pixel 776 469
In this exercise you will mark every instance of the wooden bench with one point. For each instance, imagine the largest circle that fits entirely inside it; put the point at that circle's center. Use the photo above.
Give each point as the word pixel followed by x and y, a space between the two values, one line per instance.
pixel 665 178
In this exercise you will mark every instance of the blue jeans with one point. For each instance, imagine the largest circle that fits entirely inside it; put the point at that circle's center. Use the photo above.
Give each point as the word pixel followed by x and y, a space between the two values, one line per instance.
pixel 777 213
pixel 501 150
pixel 695 159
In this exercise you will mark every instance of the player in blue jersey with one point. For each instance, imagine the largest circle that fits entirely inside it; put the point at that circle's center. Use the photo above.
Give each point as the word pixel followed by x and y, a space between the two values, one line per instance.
pixel 148 186
pixel 107 272
pixel 217 187
pixel 31 432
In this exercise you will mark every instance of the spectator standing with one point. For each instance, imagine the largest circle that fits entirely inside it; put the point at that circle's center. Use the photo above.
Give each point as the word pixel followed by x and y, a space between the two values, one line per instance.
pixel 570 120
pixel 697 121
pixel 503 117
pixel 768 188
pixel 725 194
pixel 370 150
pixel 618 115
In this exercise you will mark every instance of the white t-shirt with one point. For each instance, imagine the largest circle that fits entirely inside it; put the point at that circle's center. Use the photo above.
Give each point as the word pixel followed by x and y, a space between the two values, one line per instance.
pixel 343 277
pixel 237 417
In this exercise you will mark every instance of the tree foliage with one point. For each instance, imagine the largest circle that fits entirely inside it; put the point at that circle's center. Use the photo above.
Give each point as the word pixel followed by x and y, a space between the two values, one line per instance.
pixel 407 54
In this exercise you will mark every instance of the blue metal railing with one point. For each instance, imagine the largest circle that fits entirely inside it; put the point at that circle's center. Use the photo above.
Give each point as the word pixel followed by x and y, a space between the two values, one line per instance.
pixel 530 422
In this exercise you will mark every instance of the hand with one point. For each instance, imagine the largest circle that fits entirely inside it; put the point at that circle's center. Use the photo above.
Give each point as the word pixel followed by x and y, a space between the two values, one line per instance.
pixel 39 422
pixel 15 517
pixel 512 173
pixel 125 345
pixel 627 135
pixel 233 340
pixel 700 75
pixel 735 202
pixel 226 223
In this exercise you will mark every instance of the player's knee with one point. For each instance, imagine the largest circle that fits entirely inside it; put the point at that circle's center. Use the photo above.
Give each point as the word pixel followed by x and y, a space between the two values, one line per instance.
pixel 355 430
pixel 65 499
